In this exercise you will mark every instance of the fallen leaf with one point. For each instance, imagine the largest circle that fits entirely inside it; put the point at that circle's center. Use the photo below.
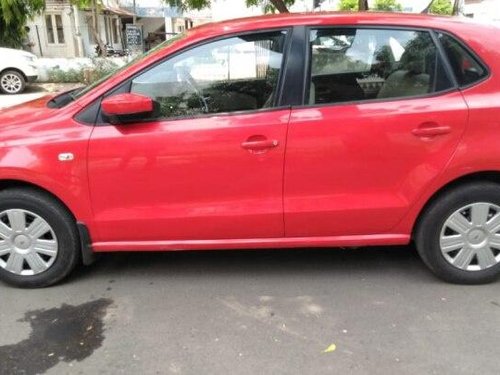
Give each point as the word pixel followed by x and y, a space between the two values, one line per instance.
pixel 330 349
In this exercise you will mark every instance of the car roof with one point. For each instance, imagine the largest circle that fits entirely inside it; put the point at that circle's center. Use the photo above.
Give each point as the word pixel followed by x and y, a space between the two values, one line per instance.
pixel 338 18
pixel 469 31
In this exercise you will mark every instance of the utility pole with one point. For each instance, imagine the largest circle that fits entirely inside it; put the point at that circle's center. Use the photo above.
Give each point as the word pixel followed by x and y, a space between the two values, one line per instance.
pixel 457 7
pixel 134 19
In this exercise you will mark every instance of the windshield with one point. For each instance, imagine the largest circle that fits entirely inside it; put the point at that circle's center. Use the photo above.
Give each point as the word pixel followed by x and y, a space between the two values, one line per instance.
pixel 80 92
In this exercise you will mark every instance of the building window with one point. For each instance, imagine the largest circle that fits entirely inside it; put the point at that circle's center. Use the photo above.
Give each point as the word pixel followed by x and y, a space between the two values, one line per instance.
pixel 55 29
pixel 111 25
pixel 115 26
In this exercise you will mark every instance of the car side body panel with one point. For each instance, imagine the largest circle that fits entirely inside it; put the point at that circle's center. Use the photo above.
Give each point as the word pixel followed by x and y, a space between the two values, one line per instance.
pixel 34 136
pixel 355 169
pixel 188 179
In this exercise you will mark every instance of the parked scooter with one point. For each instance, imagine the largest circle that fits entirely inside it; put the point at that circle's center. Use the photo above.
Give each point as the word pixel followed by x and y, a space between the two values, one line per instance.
pixel 110 51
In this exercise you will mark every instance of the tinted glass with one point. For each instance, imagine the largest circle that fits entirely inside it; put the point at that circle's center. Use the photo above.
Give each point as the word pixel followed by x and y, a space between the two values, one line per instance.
pixel 234 74
pixel 466 68
pixel 350 64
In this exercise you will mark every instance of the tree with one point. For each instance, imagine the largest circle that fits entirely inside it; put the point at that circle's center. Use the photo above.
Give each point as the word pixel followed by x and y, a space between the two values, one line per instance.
pixel 441 7
pixel 13 17
pixel 353 5
pixel 92 20
pixel 433 8
pixel 363 5
pixel 350 5
pixel 387 5
pixel 271 6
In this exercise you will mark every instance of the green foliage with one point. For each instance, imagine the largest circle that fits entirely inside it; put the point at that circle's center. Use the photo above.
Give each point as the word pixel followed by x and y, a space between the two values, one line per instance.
pixel 444 7
pixel 100 68
pixel 269 7
pixel 13 17
pixel 349 5
pixel 188 4
pixel 57 75
pixel 387 5
pixel 200 4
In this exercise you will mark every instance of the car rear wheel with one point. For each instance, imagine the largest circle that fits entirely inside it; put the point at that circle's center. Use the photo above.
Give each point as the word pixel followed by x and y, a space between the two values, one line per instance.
pixel 39 243
pixel 12 82
pixel 458 236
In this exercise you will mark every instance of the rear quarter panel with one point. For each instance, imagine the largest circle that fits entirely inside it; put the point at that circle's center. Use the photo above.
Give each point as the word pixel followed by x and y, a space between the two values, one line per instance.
pixel 479 149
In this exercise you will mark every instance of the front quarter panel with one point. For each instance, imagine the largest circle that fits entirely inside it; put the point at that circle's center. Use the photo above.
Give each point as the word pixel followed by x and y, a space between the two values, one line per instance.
pixel 30 153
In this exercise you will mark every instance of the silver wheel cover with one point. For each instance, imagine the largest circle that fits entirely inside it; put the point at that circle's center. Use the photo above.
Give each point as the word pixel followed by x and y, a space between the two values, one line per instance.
pixel 470 238
pixel 28 244
pixel 11 83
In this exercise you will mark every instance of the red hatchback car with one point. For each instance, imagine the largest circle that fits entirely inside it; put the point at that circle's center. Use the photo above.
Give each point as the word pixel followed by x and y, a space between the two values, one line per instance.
pixel 309 130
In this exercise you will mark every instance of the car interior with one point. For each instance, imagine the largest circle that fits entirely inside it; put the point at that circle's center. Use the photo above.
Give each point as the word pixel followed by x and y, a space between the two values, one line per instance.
pixel 239 76
pixel 380 67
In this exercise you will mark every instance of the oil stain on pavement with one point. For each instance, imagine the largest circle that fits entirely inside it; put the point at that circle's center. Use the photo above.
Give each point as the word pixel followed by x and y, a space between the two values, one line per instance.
pixel 67 333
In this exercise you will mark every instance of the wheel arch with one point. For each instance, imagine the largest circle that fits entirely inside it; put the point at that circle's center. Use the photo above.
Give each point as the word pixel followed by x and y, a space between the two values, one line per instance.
pixel 9 184
pixel 16 70
pixel 484 176
pixel 87 254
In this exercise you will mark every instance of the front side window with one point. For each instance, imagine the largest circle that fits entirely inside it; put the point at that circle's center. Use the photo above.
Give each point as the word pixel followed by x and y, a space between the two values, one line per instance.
pixel 349 64
pixel 466 68
pixel 235 74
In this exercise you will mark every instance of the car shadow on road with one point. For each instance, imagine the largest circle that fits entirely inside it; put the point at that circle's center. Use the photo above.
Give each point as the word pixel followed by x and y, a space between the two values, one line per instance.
pixel 397 261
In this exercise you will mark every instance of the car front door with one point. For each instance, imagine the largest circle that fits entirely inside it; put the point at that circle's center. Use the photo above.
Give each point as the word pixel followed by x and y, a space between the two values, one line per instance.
pixel 209 163
pixel 380 121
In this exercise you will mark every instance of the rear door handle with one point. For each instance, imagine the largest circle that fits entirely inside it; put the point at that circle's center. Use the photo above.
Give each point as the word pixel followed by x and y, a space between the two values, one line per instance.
pixel 430 130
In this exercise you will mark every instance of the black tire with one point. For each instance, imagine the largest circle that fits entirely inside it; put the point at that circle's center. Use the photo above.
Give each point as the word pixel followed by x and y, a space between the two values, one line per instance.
pixel 63 225
pixel 18 75
pixel 428 231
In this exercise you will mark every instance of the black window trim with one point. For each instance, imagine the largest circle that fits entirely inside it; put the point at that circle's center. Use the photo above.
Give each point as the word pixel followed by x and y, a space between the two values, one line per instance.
pixel 124 86
pixel 306 87
pixel 292 85
pixel 469 50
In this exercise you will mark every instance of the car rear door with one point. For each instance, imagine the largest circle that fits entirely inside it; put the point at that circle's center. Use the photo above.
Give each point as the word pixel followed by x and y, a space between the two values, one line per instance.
pixel 381 119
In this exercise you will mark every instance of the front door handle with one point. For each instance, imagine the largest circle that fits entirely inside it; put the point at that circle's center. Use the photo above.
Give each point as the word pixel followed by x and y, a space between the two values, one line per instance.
pixel 430 130
pixel 259 144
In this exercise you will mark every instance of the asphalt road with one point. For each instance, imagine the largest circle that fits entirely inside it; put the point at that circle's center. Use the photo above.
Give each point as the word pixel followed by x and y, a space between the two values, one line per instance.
pixel 326 311
pixel 32 92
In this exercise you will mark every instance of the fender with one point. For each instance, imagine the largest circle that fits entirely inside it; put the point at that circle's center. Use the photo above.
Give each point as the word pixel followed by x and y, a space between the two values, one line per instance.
pixel 76 200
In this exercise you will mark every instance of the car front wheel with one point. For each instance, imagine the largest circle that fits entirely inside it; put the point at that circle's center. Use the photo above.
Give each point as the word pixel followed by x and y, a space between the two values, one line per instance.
pixel 458 236
pixel 12 82
pixel 39 243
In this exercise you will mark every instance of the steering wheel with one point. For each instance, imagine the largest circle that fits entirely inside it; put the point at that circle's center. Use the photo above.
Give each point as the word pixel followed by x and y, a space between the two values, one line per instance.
pixel 185 76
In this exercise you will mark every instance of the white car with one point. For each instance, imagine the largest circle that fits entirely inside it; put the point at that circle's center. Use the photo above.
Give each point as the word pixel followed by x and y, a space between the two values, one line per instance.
pixel 17 68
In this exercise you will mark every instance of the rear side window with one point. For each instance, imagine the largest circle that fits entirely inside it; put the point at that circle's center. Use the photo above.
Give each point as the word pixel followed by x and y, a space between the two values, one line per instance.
pixel 465 66
pixel 349 64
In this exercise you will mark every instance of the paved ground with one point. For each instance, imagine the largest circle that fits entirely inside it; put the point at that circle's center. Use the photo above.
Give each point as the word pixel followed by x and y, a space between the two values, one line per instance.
pixel 374 311
pixel 253 312
pixel 32 92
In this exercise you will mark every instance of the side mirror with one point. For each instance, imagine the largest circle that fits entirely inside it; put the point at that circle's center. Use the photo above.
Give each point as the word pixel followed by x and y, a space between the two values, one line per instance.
pixel 127 107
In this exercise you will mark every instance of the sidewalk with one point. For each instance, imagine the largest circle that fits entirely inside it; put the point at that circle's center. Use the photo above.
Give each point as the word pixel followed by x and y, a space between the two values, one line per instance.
pixel 35 91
